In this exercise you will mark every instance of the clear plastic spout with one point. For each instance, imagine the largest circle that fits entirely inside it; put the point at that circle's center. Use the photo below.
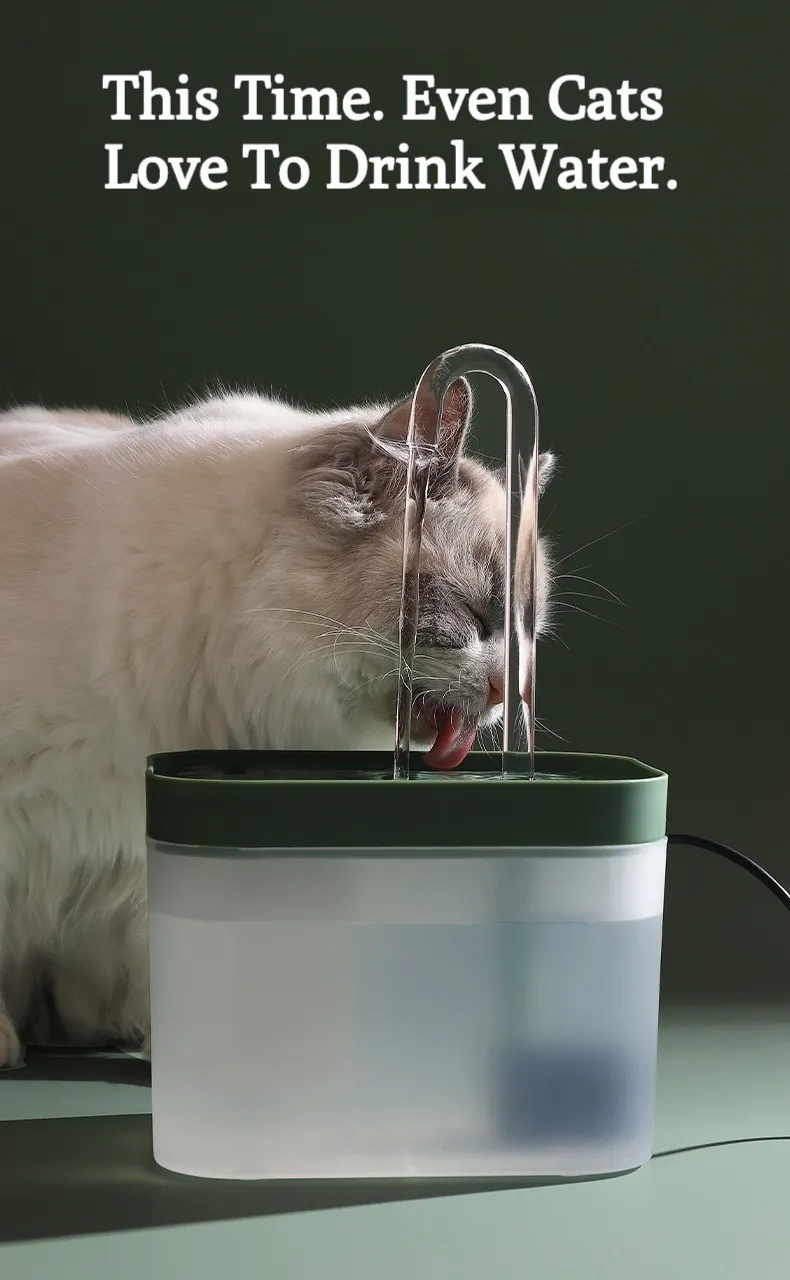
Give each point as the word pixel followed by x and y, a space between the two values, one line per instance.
pixel 424 430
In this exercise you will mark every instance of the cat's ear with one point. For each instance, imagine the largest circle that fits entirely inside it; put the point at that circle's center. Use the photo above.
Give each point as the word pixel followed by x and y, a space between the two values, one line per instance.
pixel 351 477
pixel 453 433
pixel 547 463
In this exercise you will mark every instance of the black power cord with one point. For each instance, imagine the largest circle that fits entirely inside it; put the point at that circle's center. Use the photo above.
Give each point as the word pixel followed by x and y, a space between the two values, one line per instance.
pixel 779 891
pixel 740 860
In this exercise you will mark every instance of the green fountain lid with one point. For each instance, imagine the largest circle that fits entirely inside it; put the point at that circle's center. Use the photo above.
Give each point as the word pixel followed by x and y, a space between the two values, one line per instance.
pixel 255 801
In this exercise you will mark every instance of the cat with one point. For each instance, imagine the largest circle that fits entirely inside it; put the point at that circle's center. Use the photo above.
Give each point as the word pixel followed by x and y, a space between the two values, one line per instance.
pixel 225 575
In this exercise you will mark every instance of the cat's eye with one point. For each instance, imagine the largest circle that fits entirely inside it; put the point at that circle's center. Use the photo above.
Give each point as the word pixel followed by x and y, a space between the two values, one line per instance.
pixel 446 644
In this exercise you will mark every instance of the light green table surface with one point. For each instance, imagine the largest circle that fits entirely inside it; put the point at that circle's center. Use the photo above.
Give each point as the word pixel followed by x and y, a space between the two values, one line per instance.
pixel 80 1197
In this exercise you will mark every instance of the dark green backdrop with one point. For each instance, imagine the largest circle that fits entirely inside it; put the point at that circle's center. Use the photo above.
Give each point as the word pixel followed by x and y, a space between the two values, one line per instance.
pixel 653 326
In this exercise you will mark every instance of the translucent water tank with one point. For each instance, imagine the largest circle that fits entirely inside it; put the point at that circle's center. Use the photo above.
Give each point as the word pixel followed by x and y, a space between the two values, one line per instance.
pixel 353 976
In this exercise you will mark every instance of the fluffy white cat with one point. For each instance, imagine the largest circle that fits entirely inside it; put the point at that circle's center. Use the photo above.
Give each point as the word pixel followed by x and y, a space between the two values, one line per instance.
pixel 225 576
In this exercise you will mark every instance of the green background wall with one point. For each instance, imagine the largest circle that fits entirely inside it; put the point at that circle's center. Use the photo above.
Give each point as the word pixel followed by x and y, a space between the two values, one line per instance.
pixel 653 326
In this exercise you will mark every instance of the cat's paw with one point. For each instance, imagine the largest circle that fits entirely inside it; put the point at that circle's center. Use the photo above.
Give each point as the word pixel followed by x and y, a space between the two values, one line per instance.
pixel 137 1049
pixel 133 1024
pixel 11 1054
pixel 134 1036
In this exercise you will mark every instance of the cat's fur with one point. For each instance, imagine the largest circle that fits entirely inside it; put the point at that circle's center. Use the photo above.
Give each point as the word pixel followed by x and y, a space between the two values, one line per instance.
pixel 228 575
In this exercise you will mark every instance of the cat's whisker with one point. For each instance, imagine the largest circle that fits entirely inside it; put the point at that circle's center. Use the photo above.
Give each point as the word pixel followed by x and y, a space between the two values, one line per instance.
pixel 347 647
pixel 353 638
pixel 351 651
pixel 544 728
pixel 551 633
pixel 304 615
pixel 491 733
pixel 585 595
pixel 593 583
pixel 321 619
pixel 349 643
pixel 594 541
pixel 365 684
pixel 575 608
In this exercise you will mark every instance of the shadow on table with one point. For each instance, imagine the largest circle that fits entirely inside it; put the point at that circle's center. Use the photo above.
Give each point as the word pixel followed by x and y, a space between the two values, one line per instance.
pixel 105 1066
pixel 79 1175
pixel 87 1174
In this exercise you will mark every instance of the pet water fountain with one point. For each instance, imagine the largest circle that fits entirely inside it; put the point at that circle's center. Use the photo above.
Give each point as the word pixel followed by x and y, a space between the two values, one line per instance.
pixel 362 968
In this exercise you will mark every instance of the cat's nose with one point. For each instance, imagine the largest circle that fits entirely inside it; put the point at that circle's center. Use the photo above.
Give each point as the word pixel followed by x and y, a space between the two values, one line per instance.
pixel 496 691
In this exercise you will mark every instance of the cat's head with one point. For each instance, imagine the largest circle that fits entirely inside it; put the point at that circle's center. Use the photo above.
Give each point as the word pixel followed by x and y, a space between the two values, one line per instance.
pixel 349 481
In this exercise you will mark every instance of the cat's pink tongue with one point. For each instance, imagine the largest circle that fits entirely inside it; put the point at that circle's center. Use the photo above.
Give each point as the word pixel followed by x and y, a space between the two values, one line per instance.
pixel 454 740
